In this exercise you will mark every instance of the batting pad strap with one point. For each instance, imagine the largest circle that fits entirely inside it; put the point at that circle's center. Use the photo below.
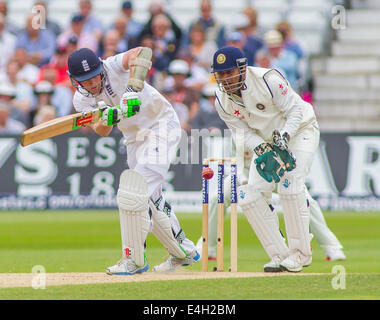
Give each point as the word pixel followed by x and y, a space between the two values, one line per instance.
pixel 263 221
pixel 162 230
pixel 132 202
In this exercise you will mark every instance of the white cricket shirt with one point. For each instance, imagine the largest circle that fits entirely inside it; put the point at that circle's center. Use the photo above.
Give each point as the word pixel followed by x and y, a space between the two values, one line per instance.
pixel 154 106
pixel 267 103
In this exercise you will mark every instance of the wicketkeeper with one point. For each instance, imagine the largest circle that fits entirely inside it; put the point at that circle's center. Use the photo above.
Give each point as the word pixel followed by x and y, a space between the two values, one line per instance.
pixel 318 226
pixel 151 133
pixel 279 128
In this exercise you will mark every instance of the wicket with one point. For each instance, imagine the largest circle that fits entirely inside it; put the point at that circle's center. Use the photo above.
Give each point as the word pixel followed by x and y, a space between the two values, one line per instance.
pixel 220 215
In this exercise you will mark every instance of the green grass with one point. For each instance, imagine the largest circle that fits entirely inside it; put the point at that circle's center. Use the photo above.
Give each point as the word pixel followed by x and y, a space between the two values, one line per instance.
pixel 85 241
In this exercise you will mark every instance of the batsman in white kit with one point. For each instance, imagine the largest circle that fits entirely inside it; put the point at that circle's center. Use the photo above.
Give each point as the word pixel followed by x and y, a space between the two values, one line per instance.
pixel 151 133
pixel 282 131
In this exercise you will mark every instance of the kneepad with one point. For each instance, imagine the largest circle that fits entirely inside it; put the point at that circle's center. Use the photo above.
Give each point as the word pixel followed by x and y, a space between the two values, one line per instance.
pixel 132 199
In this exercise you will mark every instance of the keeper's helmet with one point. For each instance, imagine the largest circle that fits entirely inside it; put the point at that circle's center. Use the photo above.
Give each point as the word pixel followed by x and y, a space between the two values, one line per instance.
pixel 83 65
pixel 226 59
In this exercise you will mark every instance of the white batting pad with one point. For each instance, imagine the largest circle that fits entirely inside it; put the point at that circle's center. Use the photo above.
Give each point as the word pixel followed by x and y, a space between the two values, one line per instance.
pixel 263 221
pixel 296 216
pixel 132 198
pixel 162 230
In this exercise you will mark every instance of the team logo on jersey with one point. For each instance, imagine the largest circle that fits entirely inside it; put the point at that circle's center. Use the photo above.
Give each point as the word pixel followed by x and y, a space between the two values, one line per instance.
pixel 284 89
pixel 221 58
pixel 260 106
pixel 85 65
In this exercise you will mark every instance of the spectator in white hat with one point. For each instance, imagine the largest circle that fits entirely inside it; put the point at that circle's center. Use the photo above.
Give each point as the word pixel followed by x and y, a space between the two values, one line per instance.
pixel 280 58
pixel 179 71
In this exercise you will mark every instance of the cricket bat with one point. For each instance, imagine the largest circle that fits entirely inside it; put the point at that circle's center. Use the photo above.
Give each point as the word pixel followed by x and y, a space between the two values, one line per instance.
pixel 75 121
pixel 60 126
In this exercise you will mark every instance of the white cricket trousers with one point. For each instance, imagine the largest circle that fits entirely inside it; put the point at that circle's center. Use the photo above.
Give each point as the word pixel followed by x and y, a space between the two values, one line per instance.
pixel 151 155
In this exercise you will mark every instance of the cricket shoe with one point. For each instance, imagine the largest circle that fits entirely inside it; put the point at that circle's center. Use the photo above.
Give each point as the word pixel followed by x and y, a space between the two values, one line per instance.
pixel 273 265
pixel 334 254
pixel 295 261
pixel 173 263
pixel 126 267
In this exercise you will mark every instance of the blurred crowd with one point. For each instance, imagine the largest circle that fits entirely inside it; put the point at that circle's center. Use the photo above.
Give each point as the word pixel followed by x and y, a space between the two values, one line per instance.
pixel 34 86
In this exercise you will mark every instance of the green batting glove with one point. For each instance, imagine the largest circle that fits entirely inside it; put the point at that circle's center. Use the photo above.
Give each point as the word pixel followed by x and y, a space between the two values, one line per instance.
pixel 130 103
pixel 109 115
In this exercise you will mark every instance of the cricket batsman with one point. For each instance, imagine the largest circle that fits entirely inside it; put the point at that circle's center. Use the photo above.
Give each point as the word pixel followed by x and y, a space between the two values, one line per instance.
pixel 151 133
pixel 318 226
pixel 279 129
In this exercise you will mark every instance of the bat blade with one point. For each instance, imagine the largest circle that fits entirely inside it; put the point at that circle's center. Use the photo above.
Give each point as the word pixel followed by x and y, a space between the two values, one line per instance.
pixel 59 126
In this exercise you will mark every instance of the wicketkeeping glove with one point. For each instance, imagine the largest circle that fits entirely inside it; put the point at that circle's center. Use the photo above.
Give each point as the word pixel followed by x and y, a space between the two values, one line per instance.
pixel 267 164
pixel 280 147
pixel 110 115
pixel 130 103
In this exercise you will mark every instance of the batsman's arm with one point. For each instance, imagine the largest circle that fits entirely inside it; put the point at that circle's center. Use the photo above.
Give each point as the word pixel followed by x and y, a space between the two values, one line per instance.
pixel 138 61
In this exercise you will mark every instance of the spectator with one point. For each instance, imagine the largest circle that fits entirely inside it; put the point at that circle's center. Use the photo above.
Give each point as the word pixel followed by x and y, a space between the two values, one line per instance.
pixel 7 44
pixel 59 63
pixel 19 110
pixel 126 42
pixel 92 24
pixel 174 33
pixel 157 73
pixel 44 113
pixel 133 27
pixel 84 38
pixel 281 58
pixel 198 75
pixel 49 24
pixel 208 117
pixel 253 28
pixel 27 72
pixel 289 41
pixel 179 71
pixel 181 109
pixel 39 43
pixel 110 44
pixel 291 44
pixel 9 26
pixel 61 98
pixel 251 43
pixel 72 44
pixel 214 30
pixel 201 49
pixel 235 39
pixel 8 125
pixel 165 43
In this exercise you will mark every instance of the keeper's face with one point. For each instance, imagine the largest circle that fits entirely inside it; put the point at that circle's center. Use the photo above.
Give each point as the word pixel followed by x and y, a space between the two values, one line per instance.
pixel 231 81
